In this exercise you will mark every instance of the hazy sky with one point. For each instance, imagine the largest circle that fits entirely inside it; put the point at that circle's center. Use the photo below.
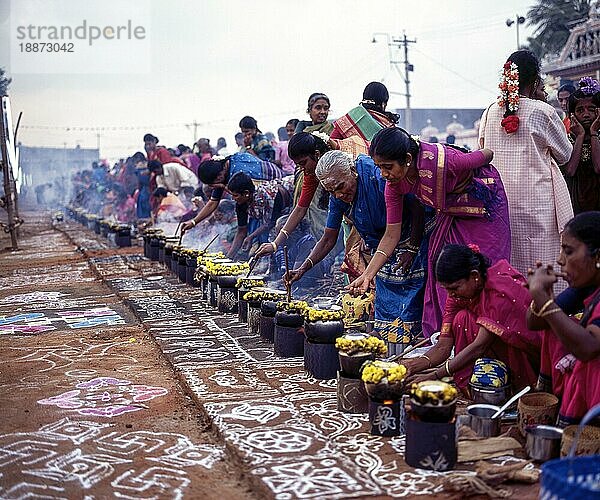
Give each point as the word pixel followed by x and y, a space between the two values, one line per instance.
pixel 214 61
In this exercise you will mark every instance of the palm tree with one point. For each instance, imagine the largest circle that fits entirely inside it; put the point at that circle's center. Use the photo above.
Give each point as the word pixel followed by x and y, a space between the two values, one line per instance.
pixel 4 83
pixel 552 20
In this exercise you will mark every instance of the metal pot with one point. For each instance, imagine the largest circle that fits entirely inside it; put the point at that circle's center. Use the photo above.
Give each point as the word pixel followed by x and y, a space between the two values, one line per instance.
pixel 479 420
pixel 490 395
pixel 543 442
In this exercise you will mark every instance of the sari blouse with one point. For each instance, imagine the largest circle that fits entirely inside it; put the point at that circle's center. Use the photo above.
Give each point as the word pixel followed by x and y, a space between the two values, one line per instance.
pixel 255 168
pixel 445 182
pixel 500 308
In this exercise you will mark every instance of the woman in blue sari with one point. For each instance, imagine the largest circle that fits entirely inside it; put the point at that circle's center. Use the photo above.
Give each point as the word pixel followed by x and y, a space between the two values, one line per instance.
pixel 358 194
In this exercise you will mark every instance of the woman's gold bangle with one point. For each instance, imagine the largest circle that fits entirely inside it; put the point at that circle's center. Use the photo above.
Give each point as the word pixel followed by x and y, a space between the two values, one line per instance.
pixel 550 311
pixel 287 235
pixel 540 313
pixel 312 264
pixel 382 253
pixel 274 245
pixel 427 358
pixel 447 367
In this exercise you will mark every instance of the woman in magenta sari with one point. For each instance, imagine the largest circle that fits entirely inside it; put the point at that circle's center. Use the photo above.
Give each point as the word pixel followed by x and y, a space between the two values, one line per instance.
pixel 571 345
pixel 484 316
pixel 465 190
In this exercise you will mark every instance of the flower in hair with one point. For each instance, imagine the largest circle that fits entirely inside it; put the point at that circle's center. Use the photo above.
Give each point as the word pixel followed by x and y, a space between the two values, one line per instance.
pixel 474 247
pixel 217 158
pixel 510 124
pixel 509 87
pixel 589 86
pixel 321 135
pixel 416 138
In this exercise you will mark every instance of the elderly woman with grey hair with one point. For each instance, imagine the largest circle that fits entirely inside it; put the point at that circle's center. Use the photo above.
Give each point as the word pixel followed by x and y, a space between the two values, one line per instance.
pixel 357 189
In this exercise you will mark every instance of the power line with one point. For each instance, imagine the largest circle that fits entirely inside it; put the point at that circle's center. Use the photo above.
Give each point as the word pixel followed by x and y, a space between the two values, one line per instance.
pixel 450 70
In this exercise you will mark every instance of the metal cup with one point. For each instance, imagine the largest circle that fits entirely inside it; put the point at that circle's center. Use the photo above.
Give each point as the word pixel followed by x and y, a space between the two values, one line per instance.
pixel 479 420
pixel 543 442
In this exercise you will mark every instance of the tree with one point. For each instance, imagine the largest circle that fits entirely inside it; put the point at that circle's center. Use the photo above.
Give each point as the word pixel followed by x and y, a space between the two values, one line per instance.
pixel 552 20
pixel 4 82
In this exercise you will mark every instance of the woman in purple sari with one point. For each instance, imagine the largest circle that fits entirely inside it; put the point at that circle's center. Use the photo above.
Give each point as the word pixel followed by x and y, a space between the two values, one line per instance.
pixel 463 187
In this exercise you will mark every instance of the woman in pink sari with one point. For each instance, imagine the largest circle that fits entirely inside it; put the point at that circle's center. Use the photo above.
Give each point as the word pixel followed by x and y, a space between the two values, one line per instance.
pixel 571 345
pixel 484 317
pixel 463 187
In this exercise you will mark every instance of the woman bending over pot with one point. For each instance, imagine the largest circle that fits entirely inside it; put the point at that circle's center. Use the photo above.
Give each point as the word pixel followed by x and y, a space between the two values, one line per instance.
pixel 484 317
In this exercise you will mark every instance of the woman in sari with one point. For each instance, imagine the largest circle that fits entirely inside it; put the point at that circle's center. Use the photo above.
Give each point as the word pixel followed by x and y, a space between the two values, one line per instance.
pixel 465 190
pixel 368 118
pixel 484 317
pixel 257 208
pixel 318 111
pixel 256 143
pixel 357 190
pixel 570 347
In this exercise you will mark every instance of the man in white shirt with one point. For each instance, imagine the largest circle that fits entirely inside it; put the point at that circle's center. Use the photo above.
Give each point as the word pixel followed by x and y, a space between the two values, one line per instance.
pixel 173 176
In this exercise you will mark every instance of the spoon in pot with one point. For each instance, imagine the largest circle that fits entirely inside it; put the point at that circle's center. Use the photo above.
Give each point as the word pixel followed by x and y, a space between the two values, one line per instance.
pixel 501 410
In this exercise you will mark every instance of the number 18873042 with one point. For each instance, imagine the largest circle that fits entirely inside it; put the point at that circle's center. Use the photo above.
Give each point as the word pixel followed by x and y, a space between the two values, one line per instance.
pixel 46 47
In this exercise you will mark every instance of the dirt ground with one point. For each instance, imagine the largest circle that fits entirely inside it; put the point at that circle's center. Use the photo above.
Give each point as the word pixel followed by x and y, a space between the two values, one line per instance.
pixel 90 408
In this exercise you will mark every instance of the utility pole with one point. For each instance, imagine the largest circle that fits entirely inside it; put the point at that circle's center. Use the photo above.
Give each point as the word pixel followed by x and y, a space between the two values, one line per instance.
pixel 394 42
pixel 407 69
pixel 98 142
pixel 194 124
pixel 8 161
pixel 516 21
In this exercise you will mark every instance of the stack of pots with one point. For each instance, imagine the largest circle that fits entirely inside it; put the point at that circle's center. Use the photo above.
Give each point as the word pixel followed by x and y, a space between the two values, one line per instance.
pixel 91 221
pixel 353 351
pixel 104 227
pixel 163 241
pixel 174 263
pixel 184 253
pixel 147 236
pixel 384 383
pixel 288 338
pixel 262 307
pixel 430 427
pixel 222 275
pixel 211 281
pixel 201 274
pixel 123 235
pixel 113 227
pixel 321 329
pixel 243 285
pixel 191 264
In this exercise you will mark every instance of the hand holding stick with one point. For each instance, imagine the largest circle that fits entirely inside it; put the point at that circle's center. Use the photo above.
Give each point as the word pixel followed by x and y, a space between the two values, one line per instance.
pixel 288 284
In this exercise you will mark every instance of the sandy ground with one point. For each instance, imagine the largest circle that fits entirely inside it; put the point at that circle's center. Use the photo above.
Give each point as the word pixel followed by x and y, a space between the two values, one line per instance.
pixel 90 408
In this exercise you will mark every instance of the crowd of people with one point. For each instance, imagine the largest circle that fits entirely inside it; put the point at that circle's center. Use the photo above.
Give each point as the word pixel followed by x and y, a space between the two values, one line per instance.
pixel 498 249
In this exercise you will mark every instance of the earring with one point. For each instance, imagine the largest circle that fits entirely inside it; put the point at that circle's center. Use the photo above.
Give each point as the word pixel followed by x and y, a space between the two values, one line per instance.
pixel 408 164
pixel 597 265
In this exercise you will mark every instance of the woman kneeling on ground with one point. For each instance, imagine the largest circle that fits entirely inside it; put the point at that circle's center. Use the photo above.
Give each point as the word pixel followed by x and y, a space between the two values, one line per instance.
pixel 570 347
pixel 484 316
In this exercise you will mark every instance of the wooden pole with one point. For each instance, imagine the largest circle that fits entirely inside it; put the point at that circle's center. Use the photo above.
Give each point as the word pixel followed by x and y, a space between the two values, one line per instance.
pixel 9 185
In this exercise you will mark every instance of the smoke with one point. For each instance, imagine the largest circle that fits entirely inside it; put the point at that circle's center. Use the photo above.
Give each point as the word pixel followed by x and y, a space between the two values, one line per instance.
pixel 201 235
